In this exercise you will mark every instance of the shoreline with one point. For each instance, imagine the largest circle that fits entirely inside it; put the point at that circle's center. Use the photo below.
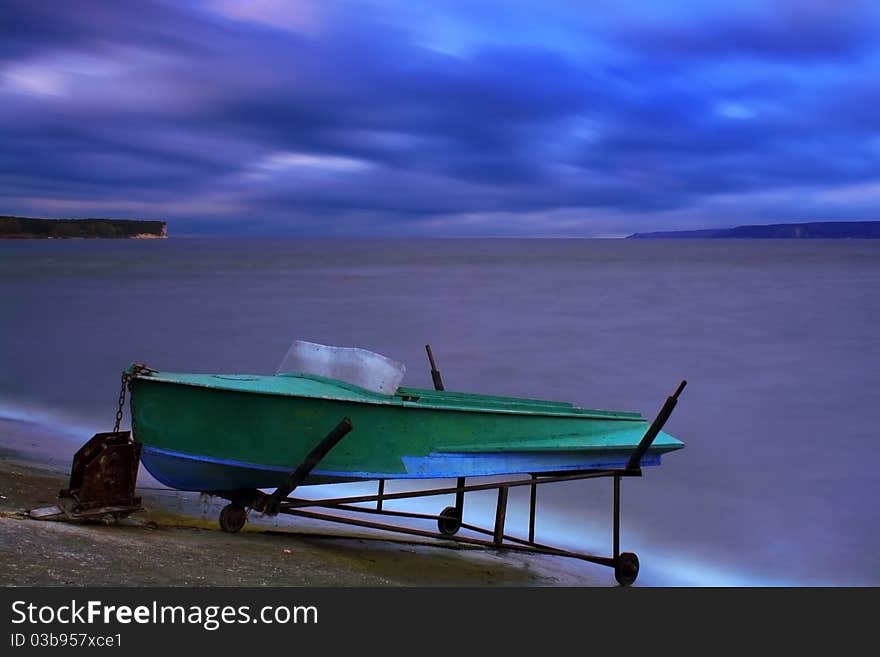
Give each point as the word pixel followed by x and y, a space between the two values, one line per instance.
pixel 25 236
pixel 14 227
pixel 176 541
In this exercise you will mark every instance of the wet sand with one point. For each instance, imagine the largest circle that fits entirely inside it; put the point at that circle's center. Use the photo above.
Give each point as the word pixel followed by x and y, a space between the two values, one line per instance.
pixel 175 541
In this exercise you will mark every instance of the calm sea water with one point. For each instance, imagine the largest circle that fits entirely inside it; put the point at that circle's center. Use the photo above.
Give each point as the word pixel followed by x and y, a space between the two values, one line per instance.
pixel 778 340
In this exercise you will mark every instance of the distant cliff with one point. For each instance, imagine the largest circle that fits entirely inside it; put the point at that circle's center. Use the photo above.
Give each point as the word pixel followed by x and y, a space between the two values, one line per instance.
pixel 812 230
pixel 28 227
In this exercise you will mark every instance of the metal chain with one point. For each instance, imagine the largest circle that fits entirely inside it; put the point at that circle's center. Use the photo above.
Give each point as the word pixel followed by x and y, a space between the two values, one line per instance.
pixel 121 402
pixel 127 379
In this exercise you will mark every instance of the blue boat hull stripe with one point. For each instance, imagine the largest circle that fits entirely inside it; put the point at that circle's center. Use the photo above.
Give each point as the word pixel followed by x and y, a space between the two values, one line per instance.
pixel 205 473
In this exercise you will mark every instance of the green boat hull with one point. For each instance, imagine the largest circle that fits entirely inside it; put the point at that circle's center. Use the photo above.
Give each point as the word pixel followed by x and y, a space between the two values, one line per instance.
pixel 224 432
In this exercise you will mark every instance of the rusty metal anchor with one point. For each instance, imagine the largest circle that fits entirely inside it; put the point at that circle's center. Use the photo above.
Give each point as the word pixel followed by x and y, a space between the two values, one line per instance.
pixel 103 478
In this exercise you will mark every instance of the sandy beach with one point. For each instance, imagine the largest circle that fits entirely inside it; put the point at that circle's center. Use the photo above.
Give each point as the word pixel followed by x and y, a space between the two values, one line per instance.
pixel 175 541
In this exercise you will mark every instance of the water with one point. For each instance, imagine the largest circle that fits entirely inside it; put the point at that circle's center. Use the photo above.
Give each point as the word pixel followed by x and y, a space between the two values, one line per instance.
pixel 778 340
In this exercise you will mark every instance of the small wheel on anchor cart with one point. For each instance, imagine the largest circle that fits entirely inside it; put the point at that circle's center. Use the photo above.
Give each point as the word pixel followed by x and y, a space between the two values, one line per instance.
pixel 449 521
pixel 626 569
pixel 232 518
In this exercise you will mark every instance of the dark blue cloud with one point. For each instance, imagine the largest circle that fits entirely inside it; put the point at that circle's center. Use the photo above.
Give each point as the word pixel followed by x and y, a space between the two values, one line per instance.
pixel 306 117
pixel 799 30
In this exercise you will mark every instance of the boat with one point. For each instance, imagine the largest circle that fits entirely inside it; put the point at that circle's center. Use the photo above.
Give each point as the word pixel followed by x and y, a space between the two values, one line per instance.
pixel 339 414
pixel 220 432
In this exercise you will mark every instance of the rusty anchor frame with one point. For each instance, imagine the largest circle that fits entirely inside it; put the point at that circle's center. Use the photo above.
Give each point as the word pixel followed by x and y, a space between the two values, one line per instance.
pixel 102 479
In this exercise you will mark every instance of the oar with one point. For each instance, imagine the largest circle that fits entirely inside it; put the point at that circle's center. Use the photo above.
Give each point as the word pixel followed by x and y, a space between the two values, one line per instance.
pixel 435 373
pixel 305 468
pixel 635 461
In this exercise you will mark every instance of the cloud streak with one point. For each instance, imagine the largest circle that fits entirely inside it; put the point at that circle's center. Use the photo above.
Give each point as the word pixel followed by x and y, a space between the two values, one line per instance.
pixel 389 118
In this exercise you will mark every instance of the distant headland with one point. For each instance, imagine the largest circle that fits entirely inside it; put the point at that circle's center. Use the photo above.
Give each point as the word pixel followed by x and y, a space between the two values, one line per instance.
pixel 32 228
pixel 811 230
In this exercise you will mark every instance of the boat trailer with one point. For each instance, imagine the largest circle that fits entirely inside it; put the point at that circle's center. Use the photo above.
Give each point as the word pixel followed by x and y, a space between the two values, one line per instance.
pixel 104 474
pixel 450 520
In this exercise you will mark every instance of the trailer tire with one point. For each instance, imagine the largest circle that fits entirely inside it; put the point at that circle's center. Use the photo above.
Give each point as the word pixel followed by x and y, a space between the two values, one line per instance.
pixel 232 518
pixel 449 521
pixel 626 568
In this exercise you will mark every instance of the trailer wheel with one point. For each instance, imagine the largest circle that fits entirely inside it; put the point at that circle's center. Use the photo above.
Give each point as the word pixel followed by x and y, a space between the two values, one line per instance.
pixel 232 518
pixel 449 521
pixel 626 569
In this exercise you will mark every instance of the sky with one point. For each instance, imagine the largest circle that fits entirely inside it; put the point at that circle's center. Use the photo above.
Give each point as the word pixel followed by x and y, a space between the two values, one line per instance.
pixel 402 118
